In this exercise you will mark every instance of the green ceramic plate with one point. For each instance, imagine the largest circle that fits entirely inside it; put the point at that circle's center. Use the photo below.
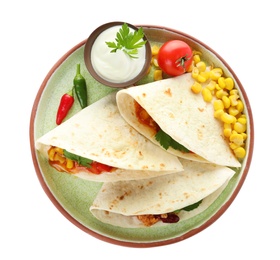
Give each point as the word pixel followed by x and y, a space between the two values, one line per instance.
pixel 73 196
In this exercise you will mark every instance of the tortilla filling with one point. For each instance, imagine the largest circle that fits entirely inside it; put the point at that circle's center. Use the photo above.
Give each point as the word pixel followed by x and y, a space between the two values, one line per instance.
pixel 64 161
pixel 150 219
pixel 164 139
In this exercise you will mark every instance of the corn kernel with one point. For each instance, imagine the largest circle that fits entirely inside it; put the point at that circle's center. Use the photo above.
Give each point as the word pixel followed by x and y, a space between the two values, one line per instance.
pixel 236 138
pixel 218 104
pixel 244 135
pixel 239 128
pixel 242 120
pixel 227 118
pixel 229 83
pixel 233 146
pixel 207 96
pixel 234 92
pixel 195 72
pixel 221 82
pixel 196 58
pixel 216 73
pixel 211 85
pixel 239 152
pixel 227 130
pixel 233 111
pixel 226 101
pixel 220 93
pixel 240 105
pixel 51 153
pixel 218 113
pixel 201 78
pixel 233 100
pixel 201 66
pixel 155 50
pixel 157 75
pixel 69 163
pixel 59 158
pixel 196 87
pixel 155 62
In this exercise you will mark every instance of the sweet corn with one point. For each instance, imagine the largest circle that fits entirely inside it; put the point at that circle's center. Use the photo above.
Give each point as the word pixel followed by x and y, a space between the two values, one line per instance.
pixel 202 77
pixel 218 113
pixel 244 135
pixel 195 72
pixel 155 62
pixel 227 130
pixel 239 128
pixel 242 120
pixel 69 163
pixel 218 104
pixel 216 73
pixel 239 152
pixel 155 50
pixel 226 101
pixel 196 58
pixel 227 118
pixel 211 85
pixel 221 82
pixel 240 105
pixel 229 84
pixel 207 96
pixel 233 146
pixel 233 111
pixel 201 66
pixel 157 75
pixel 234 92
pixel 233 100
pixel 236 139
pixel 59 158
pixel 220 93
pixel 196 87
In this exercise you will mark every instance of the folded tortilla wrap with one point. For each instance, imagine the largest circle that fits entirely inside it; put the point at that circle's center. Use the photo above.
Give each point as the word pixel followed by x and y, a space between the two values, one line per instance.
pixel 98 132
pixel 181 114
pixel 119 203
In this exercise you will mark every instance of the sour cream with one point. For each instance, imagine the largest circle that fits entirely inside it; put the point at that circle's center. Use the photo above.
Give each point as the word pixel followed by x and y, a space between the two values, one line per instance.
pixel 115 67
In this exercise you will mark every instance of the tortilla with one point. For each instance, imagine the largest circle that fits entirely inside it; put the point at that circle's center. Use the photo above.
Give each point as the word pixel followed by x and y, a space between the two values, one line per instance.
pixel 98 132
pixel 183 115
pixel 119 203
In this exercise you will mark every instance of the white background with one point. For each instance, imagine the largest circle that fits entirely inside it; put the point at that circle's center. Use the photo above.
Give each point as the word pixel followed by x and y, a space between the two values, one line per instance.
pixel 35 34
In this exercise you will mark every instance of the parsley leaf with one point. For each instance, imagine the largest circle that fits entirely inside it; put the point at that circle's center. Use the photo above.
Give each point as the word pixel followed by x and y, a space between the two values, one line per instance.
pixel 167 141
pixel 79 159
pixel 192 206
pixel 189 208
pixel 127 41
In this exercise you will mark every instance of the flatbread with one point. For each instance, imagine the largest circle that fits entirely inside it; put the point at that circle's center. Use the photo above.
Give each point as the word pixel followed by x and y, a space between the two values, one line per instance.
pixel 119 203
pixel 183 115
pixel 98 132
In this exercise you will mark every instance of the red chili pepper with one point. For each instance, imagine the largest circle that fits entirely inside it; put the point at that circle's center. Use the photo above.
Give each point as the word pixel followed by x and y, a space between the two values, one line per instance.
pixel 65 104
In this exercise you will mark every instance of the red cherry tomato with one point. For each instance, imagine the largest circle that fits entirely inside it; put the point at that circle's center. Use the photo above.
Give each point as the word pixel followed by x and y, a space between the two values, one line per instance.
pixel 175 57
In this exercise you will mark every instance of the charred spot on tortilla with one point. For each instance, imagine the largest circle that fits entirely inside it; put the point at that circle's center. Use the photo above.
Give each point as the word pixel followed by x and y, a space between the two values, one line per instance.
pixel 168 92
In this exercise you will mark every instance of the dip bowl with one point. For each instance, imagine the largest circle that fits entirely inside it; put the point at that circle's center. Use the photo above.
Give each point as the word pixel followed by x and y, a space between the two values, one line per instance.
pixel 110 60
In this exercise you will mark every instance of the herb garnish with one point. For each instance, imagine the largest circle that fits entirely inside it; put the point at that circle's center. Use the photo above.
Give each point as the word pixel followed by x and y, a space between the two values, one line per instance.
pixel 190 207
pixel 127 41
pixel 167 141
pixel 79 159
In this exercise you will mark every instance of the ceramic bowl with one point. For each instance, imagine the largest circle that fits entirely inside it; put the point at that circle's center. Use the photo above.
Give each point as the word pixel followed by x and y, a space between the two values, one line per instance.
pixel 91 68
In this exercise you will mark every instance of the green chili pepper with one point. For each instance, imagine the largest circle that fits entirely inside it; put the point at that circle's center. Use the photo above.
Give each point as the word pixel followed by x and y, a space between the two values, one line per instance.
pixel 80 87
